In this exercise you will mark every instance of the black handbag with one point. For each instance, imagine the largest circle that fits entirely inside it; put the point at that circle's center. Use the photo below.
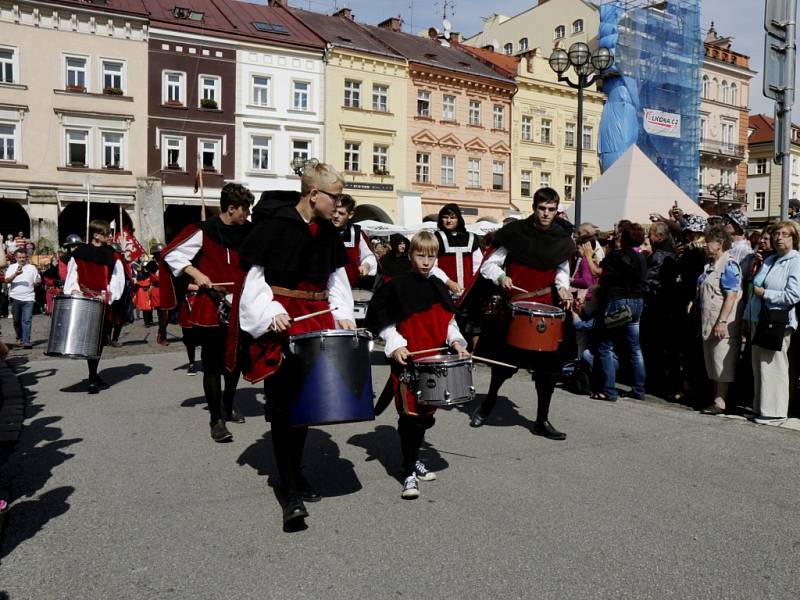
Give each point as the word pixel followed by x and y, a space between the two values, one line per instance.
pixel 771 328
pixel 619 317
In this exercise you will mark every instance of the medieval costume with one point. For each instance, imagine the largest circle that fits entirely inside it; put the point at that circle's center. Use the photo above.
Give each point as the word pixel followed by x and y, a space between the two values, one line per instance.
pixel 359 253
pixel 460 252
pixel 394 263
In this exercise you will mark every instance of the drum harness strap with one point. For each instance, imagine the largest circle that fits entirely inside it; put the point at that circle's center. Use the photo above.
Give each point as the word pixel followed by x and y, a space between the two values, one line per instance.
pixel 299 294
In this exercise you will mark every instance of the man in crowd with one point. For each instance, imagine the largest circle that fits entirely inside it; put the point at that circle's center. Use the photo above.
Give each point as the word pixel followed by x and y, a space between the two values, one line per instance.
pixel 736 224
pixel 22 279
pixel 361 260
pixel 794 210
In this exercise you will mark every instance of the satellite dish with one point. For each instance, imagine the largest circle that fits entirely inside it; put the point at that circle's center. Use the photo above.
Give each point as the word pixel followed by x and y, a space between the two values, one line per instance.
pixel 496 45
pixel 447 25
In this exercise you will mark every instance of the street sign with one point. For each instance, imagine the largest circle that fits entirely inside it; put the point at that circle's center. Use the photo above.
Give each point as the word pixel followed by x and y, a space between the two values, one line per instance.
pixel 779 75
pixel 778 14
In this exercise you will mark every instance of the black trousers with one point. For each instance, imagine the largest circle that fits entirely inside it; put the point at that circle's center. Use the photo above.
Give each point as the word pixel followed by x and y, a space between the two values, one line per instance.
pixel 212 341
pixel 94 363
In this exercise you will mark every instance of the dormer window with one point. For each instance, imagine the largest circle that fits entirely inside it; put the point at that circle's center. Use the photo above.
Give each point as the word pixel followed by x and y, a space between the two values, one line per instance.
pixel 561 32
pixel 180 12
pixel 523 44
pixel 508 48
pixel 577 26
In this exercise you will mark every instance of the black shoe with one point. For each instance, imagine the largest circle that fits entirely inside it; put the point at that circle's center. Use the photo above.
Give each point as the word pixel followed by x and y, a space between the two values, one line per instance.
pixel 545 429
pixel 100 383
pixel 483 411
pixel 27 346
pixel 236 415
pixel 294 514
pixel 115 344
pixel 191 369
pixel 307 491
pixel 220 433
pixel 93 389
pixel 477 419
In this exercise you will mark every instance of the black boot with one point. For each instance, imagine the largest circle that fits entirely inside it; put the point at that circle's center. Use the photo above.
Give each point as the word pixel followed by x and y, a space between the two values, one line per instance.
pixel 499 376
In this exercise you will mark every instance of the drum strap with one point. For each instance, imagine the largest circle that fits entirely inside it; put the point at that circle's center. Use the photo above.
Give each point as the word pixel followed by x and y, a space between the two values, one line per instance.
pixel 299 294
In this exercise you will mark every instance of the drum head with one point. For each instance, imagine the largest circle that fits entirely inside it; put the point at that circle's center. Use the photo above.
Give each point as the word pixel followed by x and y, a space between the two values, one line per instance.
pixel 362 296
pixel 323 333
pixel 536 308
pixel 441 359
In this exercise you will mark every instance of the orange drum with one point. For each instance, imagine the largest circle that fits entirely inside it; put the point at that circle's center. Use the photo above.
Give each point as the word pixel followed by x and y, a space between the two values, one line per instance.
pixel 535 326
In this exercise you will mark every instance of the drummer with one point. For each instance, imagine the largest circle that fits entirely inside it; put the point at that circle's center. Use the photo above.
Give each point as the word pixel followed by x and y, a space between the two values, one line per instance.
pixel 298 266
pixel 531 254
pixel 361 260
pixel 207 254
pixel 162 314
pixel 460 252
pixel 414 312
pixel 95 270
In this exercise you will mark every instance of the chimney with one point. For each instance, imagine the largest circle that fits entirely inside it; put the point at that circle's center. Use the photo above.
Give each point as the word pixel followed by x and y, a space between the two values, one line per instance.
pixel 344 12
pixel 433 33
pixel 281 3
pixel 455 37
pixel 392 24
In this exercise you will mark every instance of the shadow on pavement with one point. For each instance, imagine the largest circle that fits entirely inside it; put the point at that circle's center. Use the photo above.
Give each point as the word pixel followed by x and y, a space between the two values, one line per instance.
pixel 246 399
pixel 111 376
pixel 505 413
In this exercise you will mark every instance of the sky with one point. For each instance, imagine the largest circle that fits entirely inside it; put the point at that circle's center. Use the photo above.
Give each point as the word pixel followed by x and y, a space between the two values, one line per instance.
pixel 739 19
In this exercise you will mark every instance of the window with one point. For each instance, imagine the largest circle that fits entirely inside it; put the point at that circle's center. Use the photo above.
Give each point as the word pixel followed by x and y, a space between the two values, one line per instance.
pixel 544 131
pixel 569 185
pixel 726 176
pixel 112 150
pixel 423 167
pixel 561 32
pixel 380 98
pixel 724 92
pixel 544 180
pixel 587 181
pixel 208 153
pixel 761 200
pixel 301 149
pixel 703 128
pixel 112 75
pixel 448 170
pixel 587 138
pixel 706 86
pixel 449 108
pixel 577 26
pixel 300 91
pixel 734 94
pixel 508 48
pixel 174 156
pixel 527 128
pixel 498 175
pixel 77 148
pixel 702 179
pixel 8 137
pixel 260 90
pixel 209 91
pixel 380 160
pixel 525 184
pixel 727 136
pixel 569 135
pixel 76 76
pixel 423 103
pixel 474 173
pixel 352 156
pixel 761 166
pixel 498 114
pixel 474 112
pixel 8 59
pixel 173 87
pixel 523 44
pixel 352 93
pixel 260 150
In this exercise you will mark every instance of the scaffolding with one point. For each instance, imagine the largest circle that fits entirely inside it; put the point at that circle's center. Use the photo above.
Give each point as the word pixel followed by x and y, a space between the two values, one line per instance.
pixel 658 52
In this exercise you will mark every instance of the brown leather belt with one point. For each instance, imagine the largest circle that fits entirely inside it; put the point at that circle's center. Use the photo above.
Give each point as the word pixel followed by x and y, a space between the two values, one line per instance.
pixel 299 294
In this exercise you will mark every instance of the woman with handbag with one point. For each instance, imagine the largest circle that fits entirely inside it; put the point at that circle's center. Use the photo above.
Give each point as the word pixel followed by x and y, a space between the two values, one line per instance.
pixel 772 316
pixel 719 296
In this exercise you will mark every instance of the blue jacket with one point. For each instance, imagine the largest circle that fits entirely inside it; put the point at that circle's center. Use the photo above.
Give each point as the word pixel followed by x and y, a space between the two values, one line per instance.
pixel 780 278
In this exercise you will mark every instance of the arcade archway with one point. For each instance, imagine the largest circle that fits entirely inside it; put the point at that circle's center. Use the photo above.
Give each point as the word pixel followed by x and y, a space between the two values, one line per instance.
pixel 178 216
pixel 14 218
pixel 73 218
pixel 370 212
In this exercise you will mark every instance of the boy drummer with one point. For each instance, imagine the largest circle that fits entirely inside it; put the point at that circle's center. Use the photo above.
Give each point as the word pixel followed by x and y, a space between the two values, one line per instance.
pixel 410 313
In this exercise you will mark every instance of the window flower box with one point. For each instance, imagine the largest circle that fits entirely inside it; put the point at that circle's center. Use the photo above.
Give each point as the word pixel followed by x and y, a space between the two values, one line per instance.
pixel 208 103
pixel 76 88
pixel 173 103
pixel 77 165
pixel 112 91
pixel 174 166
pixel 380 171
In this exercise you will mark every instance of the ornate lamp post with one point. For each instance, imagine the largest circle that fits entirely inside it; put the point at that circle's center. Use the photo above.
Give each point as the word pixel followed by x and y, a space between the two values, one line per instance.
pixel 589 67
pixel 719 190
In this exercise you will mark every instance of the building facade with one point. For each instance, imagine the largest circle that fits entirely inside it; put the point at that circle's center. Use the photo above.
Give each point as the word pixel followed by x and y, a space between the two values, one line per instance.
pixel 73 114
pixel 724 110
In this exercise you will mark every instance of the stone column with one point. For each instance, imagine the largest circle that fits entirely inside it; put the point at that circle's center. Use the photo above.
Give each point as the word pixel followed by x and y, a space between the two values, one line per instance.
pixel 43 213
pixel 149 211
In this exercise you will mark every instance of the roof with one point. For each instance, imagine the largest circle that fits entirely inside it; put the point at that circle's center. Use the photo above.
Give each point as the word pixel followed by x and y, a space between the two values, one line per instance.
pixel 763 129
pixel 133 7
pixel 506 63
pixel 342 32
pixel 424 50
pixel 234 20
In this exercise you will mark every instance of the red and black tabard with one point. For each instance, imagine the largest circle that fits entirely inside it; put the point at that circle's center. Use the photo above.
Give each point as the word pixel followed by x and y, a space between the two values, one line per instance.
pixel 455 256
pixel 351 237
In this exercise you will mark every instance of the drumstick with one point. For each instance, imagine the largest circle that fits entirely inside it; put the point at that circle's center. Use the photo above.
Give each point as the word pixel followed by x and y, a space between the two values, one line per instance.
pixel 519 289
pixel 493 362
pixel 312 315
pixel 223 283
pixel 428 350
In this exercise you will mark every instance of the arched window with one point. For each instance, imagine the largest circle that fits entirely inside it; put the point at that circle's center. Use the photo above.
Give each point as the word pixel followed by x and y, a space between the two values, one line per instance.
pixel 561 31
pixel 577 26
pixel 715 88
pixel 734 94
pixel 724 93
pixel 508 48
pixel 523 44
pixel 706 86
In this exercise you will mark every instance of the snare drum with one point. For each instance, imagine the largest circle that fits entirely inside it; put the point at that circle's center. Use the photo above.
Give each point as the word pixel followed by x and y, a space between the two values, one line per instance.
pixel 76 327
pixel 336 377
pixel 361 300
pixel 442 380
pixel 535 326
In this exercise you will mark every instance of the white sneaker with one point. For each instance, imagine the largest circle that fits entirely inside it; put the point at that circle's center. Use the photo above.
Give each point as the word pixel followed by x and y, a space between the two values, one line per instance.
pixel 410 488
pixel 774 421
pixel 423 473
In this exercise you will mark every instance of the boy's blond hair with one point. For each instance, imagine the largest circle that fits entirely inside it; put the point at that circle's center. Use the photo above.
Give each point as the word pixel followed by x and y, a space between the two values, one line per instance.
pixel 425 243
pixel 319 175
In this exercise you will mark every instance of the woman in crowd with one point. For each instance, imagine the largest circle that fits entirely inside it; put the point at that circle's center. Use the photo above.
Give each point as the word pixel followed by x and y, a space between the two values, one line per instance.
pixel 772 316
pixel 622 285
pixel 719 294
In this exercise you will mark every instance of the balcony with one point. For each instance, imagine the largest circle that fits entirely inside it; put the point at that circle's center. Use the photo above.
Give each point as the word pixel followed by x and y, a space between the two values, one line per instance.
pixel 721 205
pixel 721 148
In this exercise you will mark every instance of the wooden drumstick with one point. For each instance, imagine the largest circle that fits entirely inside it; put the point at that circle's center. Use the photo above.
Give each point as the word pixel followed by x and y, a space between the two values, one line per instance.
pixel 312 315
pixel 222 283
pixel 493 362
pixel 428 350
pixel 519 289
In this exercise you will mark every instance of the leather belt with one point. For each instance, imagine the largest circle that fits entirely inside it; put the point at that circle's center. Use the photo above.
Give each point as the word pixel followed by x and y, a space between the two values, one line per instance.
pixel 299 294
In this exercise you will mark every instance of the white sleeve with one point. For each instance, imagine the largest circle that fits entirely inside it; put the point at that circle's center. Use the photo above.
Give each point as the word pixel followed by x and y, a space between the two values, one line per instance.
pixel 562 275
pixel 71 282
pixel 437 272
pixel 392 339
pixel 340 296
pixel 117 284
pixel 257 306
pixel 492 268
pixel 367 257
pixel 454 333
pixel 477 259
pixel 181 255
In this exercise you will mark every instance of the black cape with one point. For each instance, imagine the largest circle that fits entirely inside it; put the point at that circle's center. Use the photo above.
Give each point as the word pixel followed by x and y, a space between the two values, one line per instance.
pixel 102 255
pixel 393 264
pixel 403 296
pixel 459 237
pixel 227 236
pixel 536 248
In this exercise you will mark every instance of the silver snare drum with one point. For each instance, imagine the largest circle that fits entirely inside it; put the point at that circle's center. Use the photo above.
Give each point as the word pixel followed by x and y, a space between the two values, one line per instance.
pixel 441 380
pixel 76 327
pixel 361 300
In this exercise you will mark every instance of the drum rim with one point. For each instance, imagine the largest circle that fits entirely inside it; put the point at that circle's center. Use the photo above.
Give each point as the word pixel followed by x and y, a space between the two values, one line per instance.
pixel 323 333
pixel 71 297
pixel 552 311
pixel 367 299
pixel 450 359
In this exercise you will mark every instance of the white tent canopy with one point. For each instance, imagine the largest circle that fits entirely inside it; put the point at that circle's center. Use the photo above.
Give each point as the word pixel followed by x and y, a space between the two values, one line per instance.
pixel 378 228
pixel 633 188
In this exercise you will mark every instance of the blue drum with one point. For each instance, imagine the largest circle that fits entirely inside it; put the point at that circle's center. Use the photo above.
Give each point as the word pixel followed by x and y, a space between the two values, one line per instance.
pixel 336 377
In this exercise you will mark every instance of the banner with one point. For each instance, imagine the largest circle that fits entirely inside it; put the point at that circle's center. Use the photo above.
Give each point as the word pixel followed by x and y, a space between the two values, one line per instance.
pixel 132 248
pixel 661 123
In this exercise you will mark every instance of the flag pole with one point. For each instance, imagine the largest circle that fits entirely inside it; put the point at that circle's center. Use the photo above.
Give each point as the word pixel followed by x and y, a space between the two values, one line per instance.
pixel 202 190
pixel 88 185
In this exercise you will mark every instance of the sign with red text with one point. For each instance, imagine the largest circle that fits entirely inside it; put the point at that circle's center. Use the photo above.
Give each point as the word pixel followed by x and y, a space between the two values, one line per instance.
pixel 661 123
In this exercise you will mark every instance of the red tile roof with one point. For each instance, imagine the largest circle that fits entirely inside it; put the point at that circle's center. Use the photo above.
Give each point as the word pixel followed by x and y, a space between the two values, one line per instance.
pixel 505 63
pixel 763 129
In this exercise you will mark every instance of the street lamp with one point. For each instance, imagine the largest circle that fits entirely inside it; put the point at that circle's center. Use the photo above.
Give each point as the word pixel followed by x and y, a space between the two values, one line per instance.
pixel 589 67
pixel 719 190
